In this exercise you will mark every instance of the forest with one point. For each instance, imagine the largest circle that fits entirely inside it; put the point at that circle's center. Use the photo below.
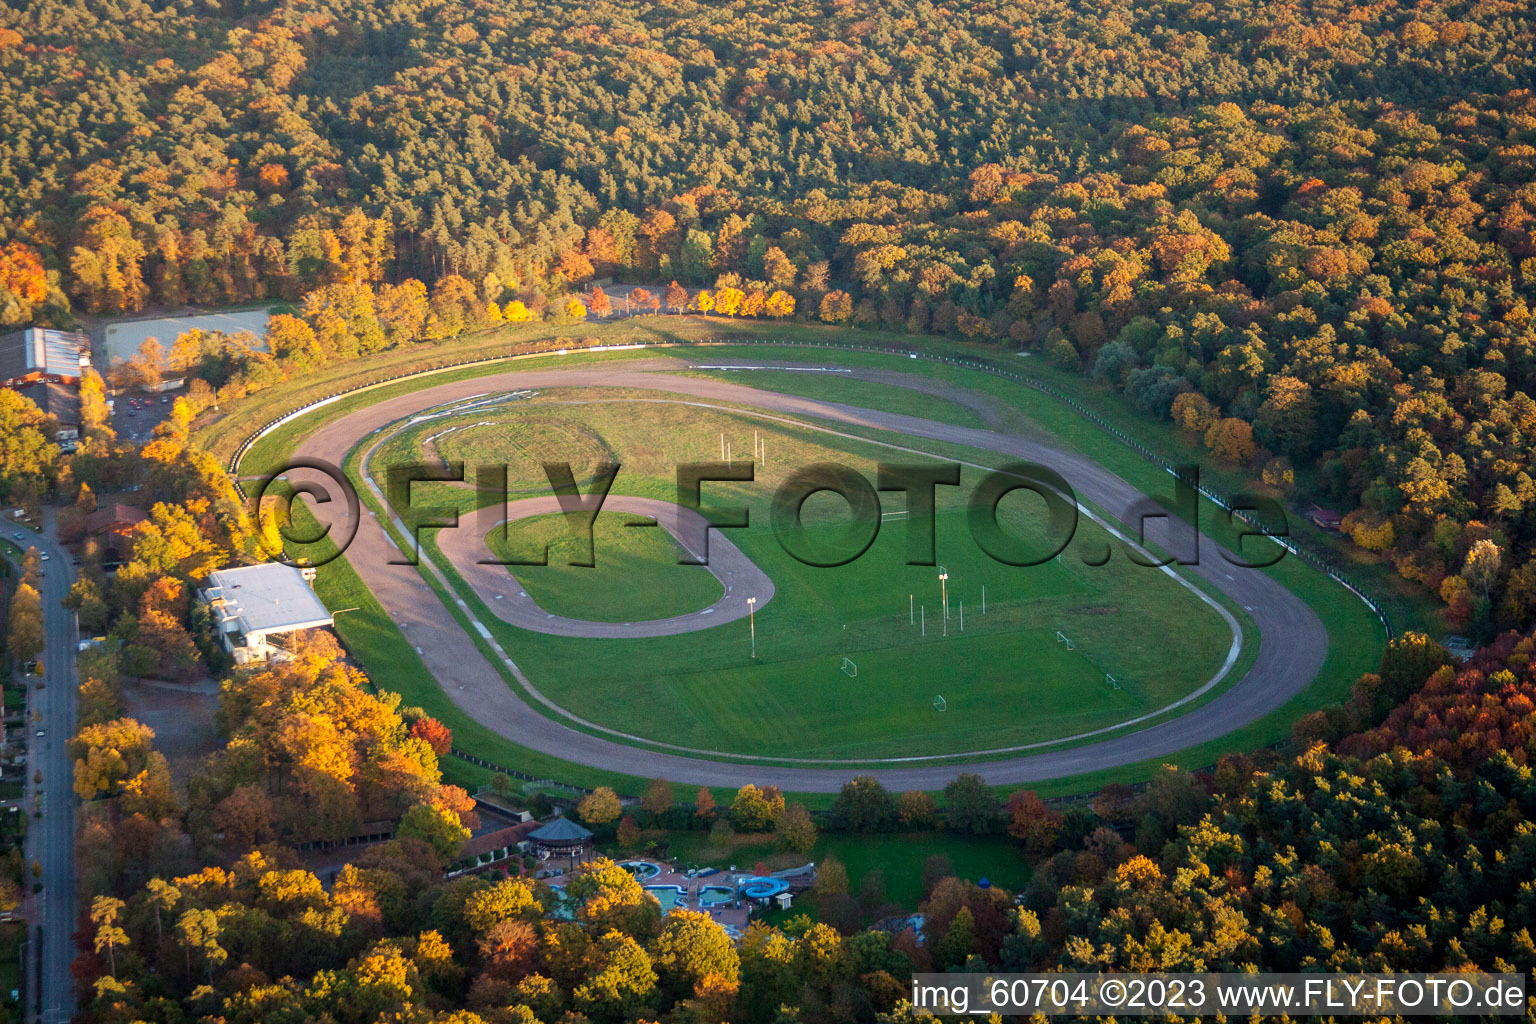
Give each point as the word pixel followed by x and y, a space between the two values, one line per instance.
pixel 1305 233
pixel 1302 231
pixel 1406 846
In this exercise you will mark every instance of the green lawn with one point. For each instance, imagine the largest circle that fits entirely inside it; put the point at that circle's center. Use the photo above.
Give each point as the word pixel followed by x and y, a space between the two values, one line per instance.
pixel 637 576
pixel 1005 679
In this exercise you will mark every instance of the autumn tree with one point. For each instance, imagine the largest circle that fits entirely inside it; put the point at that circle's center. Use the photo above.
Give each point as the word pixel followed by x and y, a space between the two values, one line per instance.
pixel 402 311
pixel 690 949
pixel 107 263
pixel 434 733
pixel 754 809
pixel 438 827
pixel 574 267
pixel 105 911
pixel 794 830
pixel 600 806
pixel 1482 566
pixel 1032 822
pixel 601 305
pixel 23 283
pixel 1230 440
pixel 24 635
pixel 836 307
pixel 657 799
pixel 779 305
pixel 676 297
pixel 28 452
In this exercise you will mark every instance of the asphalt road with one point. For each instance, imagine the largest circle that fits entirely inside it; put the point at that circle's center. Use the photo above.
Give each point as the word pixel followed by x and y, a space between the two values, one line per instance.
pixel 51 839
pixel 1292 646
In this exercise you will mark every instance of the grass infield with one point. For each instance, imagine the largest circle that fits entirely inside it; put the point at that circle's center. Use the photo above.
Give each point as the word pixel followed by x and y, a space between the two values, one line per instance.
pixel 635 575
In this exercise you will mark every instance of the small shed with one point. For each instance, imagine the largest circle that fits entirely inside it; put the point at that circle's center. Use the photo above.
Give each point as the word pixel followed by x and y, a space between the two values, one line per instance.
pixel 1326 519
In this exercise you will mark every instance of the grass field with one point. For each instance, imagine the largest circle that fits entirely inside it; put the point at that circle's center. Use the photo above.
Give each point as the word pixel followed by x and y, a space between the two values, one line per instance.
pixel 634 562
pixel 1005 678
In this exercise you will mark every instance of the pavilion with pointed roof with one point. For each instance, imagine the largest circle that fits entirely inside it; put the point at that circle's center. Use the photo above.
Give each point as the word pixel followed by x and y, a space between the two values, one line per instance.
pixel 561 837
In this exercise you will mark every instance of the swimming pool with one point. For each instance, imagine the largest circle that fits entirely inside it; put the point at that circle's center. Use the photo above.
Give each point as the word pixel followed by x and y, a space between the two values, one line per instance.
pixel 671 896
pixel 715 895
pixel 642 869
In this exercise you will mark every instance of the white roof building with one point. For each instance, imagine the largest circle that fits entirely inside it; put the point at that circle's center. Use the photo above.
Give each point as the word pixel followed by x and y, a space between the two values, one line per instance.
pixel 255 604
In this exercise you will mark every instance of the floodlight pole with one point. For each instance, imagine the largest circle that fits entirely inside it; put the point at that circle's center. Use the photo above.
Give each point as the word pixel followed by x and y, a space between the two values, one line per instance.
pixel 752 622
pixel 962 616
pixel 944 596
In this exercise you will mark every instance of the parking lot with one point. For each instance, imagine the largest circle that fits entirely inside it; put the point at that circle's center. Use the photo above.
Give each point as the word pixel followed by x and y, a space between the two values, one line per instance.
pixel 134 415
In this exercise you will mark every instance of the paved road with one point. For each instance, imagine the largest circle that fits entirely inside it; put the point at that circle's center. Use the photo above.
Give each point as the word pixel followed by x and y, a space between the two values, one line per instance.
pixel 51 840
pixel 1293 641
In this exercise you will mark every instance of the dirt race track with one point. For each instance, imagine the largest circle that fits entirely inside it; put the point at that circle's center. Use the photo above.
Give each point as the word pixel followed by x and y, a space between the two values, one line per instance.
pixel 1292 640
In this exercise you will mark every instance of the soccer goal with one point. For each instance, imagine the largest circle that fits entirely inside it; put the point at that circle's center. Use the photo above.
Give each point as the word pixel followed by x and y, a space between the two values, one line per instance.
pixel 939 704
pixel 1062 638
pixel 849 668
pixel 898 514
pixel 1112 681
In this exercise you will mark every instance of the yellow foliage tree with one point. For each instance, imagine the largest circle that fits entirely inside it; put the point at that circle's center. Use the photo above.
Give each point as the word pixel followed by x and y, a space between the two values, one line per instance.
pixel 1230 440
pixel 781 304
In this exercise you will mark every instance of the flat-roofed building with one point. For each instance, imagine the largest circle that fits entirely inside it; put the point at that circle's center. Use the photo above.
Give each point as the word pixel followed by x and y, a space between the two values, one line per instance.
pixel 46 365
pixel 62 402
pixel 43 354
pixel 255 606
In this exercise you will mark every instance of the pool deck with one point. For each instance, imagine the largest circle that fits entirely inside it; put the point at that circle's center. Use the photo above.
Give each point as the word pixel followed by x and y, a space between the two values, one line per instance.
pixel 728 915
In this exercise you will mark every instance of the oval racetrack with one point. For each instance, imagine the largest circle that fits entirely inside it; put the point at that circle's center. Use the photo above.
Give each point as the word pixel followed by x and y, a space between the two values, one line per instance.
pixel 1292 640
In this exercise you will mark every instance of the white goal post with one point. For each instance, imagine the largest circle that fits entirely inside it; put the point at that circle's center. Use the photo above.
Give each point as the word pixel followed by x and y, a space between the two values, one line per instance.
pixel 939 704
pixel 1062 638
pixel 849 668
